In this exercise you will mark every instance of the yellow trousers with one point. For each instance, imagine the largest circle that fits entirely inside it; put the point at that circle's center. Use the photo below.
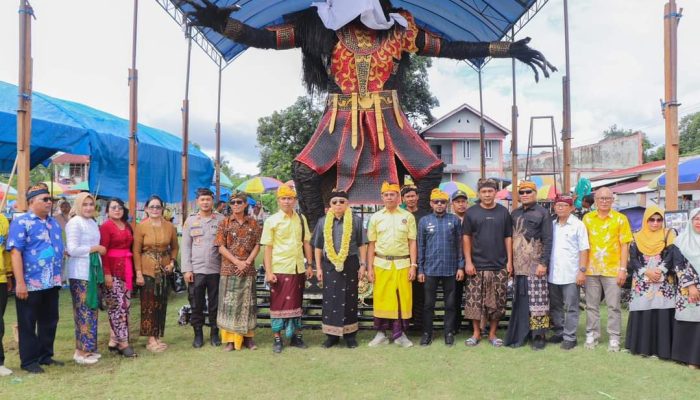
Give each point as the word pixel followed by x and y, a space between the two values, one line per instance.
pixel 235 338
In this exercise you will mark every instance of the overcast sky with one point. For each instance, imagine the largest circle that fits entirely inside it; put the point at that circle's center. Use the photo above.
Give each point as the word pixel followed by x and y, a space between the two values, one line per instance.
pixel 82 51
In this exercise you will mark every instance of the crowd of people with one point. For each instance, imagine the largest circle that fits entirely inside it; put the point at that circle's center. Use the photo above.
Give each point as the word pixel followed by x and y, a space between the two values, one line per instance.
pixel 471 252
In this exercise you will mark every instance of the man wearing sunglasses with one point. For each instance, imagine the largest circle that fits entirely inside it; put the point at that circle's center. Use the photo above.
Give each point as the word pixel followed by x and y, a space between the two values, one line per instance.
pixel 440 261
pixel 201 265
pixel 532 249
pixel 609 235
pixel 391 259
pixel 340 250
pixel 36 245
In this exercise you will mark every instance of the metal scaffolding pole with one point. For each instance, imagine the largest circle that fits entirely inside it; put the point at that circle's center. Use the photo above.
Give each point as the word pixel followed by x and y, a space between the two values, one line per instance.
pixel 671 18
pixel 24 106
pixel 133 121
pixel 185 128
pixel 217 171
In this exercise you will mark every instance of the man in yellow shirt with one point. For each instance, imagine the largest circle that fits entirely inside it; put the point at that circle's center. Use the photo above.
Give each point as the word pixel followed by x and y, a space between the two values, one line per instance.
pixel 609 236
pixel 284 235
pixel 4 228
pixel 391 257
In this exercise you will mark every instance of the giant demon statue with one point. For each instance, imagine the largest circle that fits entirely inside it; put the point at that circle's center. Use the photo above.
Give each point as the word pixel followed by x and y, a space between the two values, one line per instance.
pixel 357 51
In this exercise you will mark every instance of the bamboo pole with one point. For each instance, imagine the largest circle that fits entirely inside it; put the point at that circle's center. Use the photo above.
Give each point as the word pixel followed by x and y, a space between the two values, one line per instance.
pixel 133 121
pixel 217 165
pixel 566 83
pixel 185 129
pixel 7 188
pixel 24 106
pixel 514 138
pixel 671 17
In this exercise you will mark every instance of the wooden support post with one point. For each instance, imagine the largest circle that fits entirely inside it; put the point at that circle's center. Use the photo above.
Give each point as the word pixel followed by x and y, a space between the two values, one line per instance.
pixel 133 122
pixel 217 162
pixel 514 138
pixel 185 130
pixel 671 18
pixel 482 130
pixel 566 132
pixel 24 106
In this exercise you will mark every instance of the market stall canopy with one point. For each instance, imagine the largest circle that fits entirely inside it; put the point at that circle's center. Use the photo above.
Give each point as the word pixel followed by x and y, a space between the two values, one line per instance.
pixel 471 21
pixel 61 125
pixel 688 173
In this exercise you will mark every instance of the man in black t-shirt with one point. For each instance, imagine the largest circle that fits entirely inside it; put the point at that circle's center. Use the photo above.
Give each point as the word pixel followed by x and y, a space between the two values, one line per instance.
pixel 488 231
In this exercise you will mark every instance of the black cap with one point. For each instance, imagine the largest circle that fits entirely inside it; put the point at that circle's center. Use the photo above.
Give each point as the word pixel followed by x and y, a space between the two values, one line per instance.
pixel 458 194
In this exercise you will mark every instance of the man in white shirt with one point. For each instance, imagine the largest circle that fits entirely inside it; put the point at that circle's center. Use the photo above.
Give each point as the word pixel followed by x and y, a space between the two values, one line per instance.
pixel 566 272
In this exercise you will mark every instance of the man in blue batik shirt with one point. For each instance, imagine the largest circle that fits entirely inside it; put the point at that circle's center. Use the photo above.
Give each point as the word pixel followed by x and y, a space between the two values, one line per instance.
pixel 36 247
pixel 440 260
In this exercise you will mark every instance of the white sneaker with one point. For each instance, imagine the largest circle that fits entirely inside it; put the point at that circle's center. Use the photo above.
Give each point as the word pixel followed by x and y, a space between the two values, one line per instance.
pixel 403 341
pixel 4 371
pixel 591 342
pixel 96 356
pixel 379 339
pixel 84 360
pixel 614 346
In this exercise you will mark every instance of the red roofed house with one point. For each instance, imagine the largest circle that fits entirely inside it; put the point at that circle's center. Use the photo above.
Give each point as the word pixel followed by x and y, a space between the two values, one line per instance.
pixel 71 169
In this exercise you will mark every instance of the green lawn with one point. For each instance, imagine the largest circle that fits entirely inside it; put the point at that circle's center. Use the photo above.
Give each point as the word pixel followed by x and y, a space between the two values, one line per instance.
pixel 435 372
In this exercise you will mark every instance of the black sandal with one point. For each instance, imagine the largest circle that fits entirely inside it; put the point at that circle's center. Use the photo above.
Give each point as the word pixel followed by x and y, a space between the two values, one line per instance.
pixel 127 352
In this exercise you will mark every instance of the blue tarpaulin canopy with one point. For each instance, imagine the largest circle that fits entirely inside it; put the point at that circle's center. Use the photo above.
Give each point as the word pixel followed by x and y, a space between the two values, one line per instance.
pixel 688 172
pixel 60 125
pixel 467 20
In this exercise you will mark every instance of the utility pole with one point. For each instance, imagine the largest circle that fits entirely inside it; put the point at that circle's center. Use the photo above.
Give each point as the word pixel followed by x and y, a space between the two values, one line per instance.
pixel 670 104
pixel 133 121
pixel 566 131
pixel 24 106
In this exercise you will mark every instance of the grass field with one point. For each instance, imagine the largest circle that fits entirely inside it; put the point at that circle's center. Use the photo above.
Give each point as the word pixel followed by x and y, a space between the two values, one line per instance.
pixel 435 372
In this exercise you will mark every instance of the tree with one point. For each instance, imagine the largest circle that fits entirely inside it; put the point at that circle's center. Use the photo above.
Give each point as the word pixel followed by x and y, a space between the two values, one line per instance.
pixel 688 138
pixel 415 96
pixel 614 132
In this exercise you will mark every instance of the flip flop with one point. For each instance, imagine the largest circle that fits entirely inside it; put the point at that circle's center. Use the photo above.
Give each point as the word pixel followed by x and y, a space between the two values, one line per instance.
pixel 471 342
pixel 496 342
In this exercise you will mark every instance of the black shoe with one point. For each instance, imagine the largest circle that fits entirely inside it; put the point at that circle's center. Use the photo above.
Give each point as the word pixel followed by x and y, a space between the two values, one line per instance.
pixel 127 352
pixel 277 345
pixel 330 341
pixel 426 339
pixel 214 338
pixel 538 343
pixel 568 344
pixel 113 349
pixel 449 340
pixel 33 369
pixel 555 339
pixel 198 338
pixel 351 342
pixel 298 342
pixel 51 361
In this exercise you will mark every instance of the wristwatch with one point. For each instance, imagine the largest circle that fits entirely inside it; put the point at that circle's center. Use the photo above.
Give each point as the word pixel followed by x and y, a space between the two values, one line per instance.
pixel 414 265
pixel 622 270
pixel 582 269
pixel 363 264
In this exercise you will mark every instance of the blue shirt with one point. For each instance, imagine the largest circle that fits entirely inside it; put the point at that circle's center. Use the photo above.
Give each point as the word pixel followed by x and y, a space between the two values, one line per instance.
pixel 40 242
pixel 440 245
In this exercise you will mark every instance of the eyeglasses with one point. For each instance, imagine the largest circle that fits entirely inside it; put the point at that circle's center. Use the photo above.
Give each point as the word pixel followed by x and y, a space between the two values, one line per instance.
pixel 655 220
pixel 155 207
pixel 605 198
pixel 116 208
pixel 338 201
pixel 47 199
pixel 237 202
pixel 526 191
pixel 439 201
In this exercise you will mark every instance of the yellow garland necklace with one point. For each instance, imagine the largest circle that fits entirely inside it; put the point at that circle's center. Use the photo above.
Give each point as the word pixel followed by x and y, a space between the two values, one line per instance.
pixel 337 259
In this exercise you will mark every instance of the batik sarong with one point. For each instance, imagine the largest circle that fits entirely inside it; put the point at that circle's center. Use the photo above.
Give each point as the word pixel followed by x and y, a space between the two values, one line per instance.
pixel 154 305
pixel 85 317
pixel 340 297
pixel 485 295
pixel 118 301
pixel 286 297
pixel 237 307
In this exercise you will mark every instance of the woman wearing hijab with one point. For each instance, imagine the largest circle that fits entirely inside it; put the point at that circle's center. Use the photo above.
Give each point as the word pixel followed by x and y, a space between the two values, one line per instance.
pixel 83 239
pixel 650 323
pixel 686 330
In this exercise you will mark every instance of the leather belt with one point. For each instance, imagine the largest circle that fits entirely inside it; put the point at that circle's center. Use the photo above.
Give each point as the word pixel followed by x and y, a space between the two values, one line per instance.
pixel 392 258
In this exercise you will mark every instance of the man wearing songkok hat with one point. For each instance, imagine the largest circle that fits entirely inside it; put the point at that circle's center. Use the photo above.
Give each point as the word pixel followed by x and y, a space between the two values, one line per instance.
pixel 440 261
pixel 36 245
pixel 391 259
pixel 487 230
pixel 201 265
pixel 340 248
pixel 532 248
pixel 569 259
pixel 288 253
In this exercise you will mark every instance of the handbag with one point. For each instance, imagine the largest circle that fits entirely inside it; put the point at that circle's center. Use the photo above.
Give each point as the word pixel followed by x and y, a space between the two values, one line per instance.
pixel 177 280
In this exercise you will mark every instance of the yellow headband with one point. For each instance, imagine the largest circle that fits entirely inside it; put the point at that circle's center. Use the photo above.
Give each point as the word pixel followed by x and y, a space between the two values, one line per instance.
pixel 390 187
pixel 285 191
pixel 438 194
pixel 527 185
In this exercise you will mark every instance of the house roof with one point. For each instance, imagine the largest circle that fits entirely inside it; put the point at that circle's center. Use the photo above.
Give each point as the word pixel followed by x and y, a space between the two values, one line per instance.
pixel 66 158
pixel 628 186
pixel 471 109
pixel 633 171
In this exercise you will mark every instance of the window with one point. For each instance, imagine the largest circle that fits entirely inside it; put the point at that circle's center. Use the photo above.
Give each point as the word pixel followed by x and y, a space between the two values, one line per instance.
pixel 488 153
pixel 467 149
pixel 437 149
pixel 75 170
